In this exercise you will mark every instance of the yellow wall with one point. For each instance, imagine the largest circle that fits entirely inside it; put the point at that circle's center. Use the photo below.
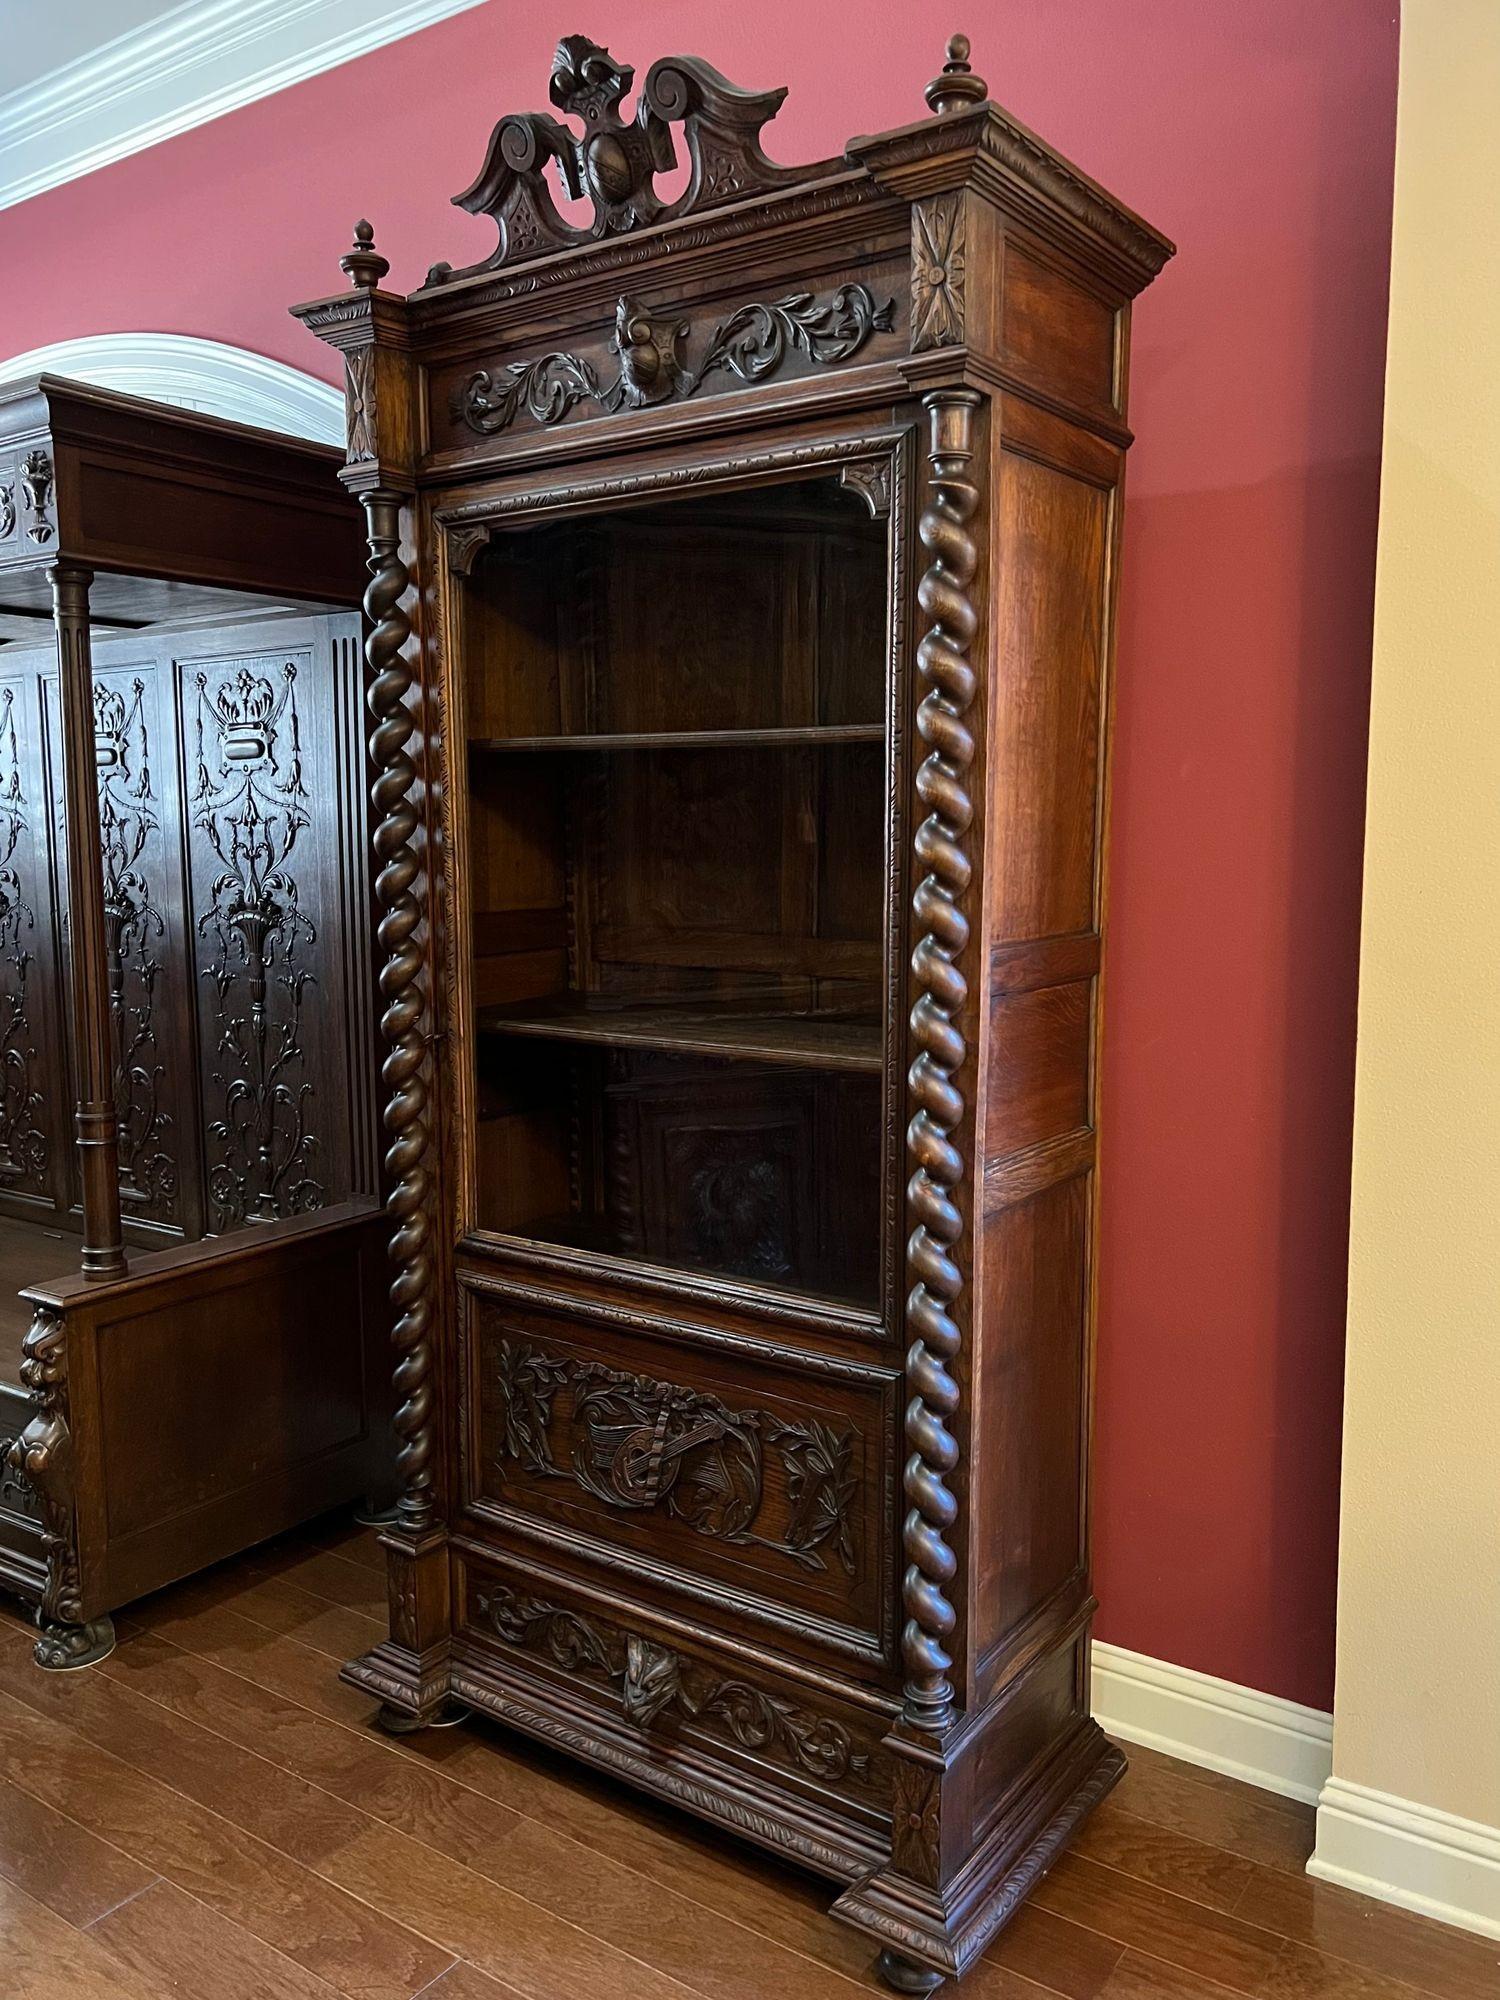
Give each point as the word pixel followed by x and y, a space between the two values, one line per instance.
pixel 1418 1702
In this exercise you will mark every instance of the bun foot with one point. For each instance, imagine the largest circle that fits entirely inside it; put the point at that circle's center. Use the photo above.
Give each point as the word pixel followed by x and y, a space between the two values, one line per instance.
pixel 904 1975
pixel 63 1649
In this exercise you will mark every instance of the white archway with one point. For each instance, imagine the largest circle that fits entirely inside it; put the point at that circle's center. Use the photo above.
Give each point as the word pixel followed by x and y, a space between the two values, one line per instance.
pixel 205 375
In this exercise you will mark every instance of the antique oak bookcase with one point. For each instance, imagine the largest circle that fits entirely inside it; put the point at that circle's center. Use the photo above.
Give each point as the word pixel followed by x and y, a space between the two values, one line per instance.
pixel 743 567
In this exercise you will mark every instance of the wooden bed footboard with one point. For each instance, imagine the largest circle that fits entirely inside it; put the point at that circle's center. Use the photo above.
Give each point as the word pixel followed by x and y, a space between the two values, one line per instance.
pixel 220 1393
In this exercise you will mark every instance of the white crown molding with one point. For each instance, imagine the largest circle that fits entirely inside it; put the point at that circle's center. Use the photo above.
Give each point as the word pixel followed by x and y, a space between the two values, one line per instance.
pixel 193 64
pixel 1410 1854
pixel 1260 1738
pixel 194 374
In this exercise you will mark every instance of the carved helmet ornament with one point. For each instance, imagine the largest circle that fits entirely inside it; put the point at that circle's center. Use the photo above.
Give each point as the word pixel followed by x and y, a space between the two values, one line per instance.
pixel 613 162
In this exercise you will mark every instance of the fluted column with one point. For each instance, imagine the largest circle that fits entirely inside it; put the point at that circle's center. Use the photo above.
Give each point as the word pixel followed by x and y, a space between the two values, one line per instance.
pixel 103 1254
pixel 936 1024
pixel 402 985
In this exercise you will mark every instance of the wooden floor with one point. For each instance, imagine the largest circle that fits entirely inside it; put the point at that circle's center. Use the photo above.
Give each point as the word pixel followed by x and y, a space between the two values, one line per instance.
pixel 208 1815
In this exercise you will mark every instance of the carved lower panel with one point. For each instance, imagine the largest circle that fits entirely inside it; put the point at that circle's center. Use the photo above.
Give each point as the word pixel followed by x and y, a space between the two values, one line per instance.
pixel 636 1443
pixel 657 1685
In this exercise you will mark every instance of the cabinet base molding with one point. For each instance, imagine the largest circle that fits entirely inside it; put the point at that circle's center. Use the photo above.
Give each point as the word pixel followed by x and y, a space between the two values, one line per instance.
pixel 946 1929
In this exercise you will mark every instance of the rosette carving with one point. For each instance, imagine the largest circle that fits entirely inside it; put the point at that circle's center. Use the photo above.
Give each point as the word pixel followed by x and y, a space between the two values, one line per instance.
pixel 937 1031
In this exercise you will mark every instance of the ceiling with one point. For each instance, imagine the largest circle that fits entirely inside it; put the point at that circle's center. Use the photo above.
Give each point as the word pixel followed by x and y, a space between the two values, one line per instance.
pixel 45 35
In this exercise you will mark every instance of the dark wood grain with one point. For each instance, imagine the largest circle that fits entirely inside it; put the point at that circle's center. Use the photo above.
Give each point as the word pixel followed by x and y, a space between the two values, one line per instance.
pixel 47 1959
pixel 1376 1937
pixel 1139 1915
pixel 166 1937
pixel 64 1866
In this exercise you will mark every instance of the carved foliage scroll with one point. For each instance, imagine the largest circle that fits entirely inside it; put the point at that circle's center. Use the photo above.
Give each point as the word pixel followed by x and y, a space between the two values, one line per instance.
pixel 657 1685
pixel 249 803
pixel 634 1443
pixel 134 927
pixel 24 1145
pixel 937 272
pixel 750 344
pixel 612 162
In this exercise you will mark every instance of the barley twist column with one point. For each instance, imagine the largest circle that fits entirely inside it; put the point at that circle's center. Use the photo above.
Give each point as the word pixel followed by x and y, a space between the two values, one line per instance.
pixel 402 986
pixel 943 663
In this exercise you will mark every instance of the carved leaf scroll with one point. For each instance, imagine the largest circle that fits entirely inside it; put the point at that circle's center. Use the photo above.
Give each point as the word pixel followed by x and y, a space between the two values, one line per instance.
pixel 750 344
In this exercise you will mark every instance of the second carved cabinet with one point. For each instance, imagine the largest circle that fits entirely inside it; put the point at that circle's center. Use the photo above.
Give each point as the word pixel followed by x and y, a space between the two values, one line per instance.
pixel 743 581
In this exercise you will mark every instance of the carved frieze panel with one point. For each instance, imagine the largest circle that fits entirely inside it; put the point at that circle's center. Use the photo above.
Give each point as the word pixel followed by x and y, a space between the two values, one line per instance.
pixel 655 364
pixel 257 930
pixel 660 1689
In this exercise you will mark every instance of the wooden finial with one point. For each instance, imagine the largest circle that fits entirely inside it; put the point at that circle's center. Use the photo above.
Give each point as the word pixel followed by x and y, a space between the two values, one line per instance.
pixel 363 261
pixel 957 86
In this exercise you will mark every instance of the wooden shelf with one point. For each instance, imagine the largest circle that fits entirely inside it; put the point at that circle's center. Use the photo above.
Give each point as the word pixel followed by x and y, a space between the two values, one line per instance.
pixel 693 739
pixel 813 1040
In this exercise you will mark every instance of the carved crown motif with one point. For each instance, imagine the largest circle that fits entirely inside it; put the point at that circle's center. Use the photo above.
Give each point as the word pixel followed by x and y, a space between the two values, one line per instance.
pixel 613 162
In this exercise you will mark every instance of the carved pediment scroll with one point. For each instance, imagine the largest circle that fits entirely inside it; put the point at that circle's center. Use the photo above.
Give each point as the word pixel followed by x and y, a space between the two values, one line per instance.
pixel 613 161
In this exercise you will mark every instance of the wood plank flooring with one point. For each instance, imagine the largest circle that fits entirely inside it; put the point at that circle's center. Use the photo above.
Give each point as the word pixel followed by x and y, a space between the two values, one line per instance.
pixel 209 1816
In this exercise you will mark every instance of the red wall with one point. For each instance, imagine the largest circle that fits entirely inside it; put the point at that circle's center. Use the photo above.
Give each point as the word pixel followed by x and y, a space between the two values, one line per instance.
pixel 1259 134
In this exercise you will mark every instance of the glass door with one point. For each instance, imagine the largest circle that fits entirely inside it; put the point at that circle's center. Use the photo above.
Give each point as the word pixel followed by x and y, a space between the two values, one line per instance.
pixel 677 885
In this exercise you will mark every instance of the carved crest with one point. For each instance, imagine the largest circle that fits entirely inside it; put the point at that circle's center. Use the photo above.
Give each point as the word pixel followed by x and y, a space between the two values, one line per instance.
pixel 613 161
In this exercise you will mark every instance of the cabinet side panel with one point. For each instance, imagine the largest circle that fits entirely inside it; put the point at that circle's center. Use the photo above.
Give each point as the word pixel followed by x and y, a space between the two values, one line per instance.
pixel 1054 488
pixel 1052 533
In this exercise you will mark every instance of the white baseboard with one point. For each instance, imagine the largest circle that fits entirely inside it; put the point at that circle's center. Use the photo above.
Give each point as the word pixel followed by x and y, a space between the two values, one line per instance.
pixel 1410 1854
pixel 1260 1738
